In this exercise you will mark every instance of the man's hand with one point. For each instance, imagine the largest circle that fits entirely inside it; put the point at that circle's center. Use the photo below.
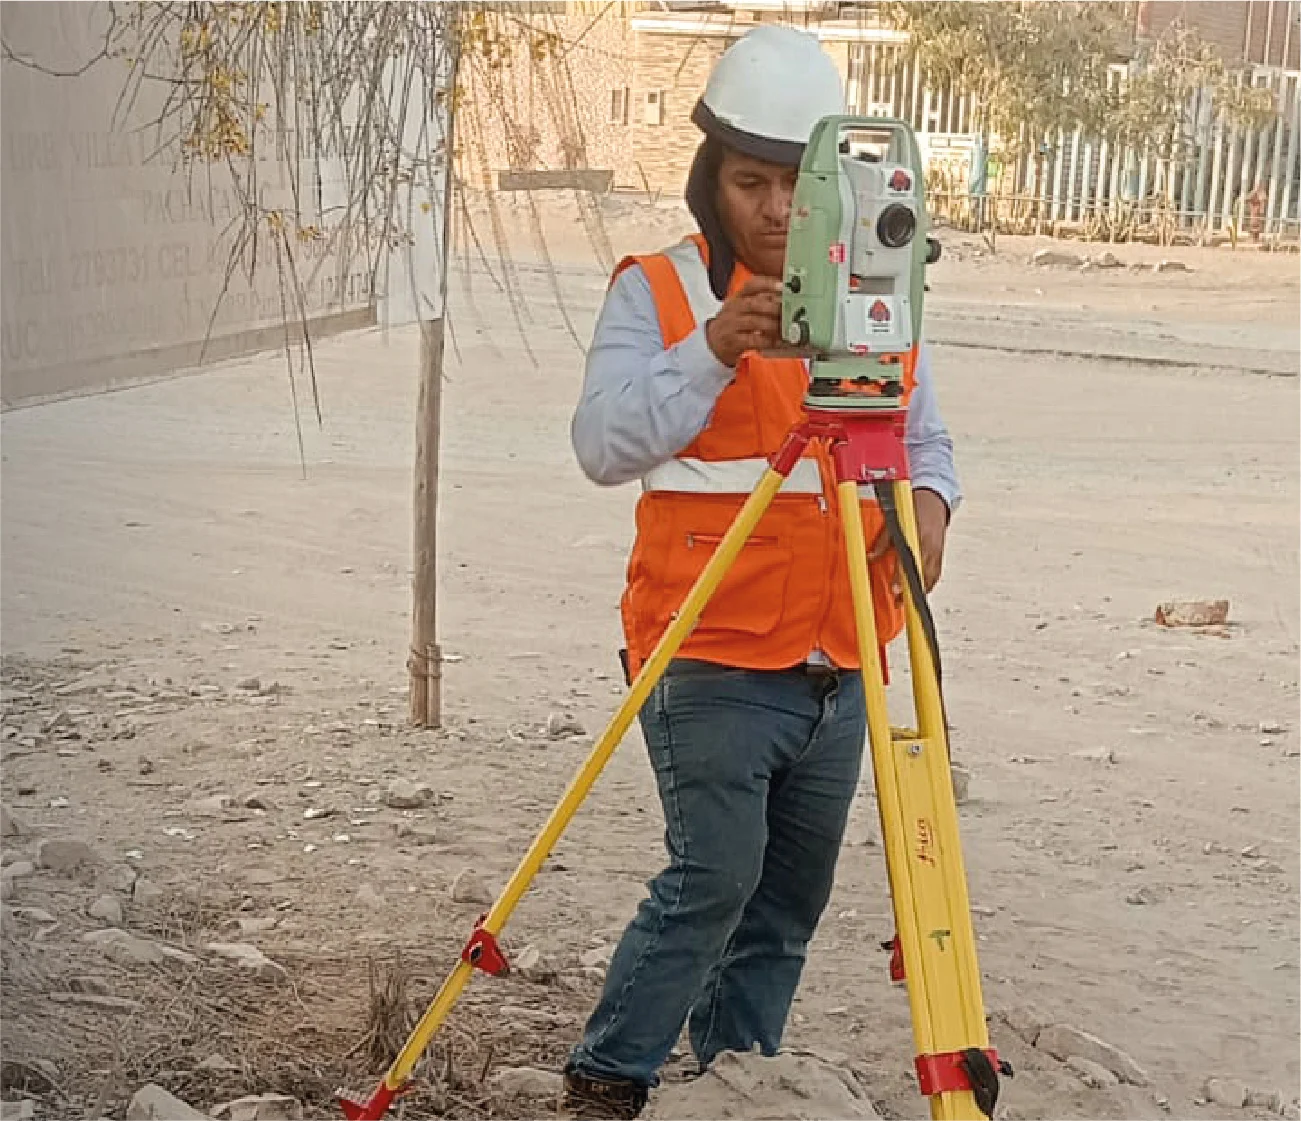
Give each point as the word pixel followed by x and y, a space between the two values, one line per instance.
pixel 748 320
pixel 932 525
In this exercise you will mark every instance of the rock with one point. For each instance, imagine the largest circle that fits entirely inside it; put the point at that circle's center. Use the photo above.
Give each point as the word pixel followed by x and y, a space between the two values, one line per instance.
pixel 153 1103
pixel 108 908
pixel 128 949
pixel 260 1107
pixel 259 925
pixel 1272 728
pixel 214 805
pixel 1063 1042
pixel 416 834
pixel 1228 1092
pixel 561 725
pixel 1193 613
pixel 1092 1074
pixel 369 898
pixel 403 794
pixel 960 775
pixel 527 1082
pixel 530 965
pixel 65 857
pixel 11 826
pixel 250 684
pixel 34 914
pixel 792 1085
pixel 22 1110
pixel 117 877
pixel 30 1076
pixel 146 893
pixel 250 959
pixel 1050 258
pixel 1097 755
pixel 89 983
pixel 468 887
pixel 1141 896
pixel 217 1063
pixel 1266 1099
pixel 17 870
pixel 1107 260
pixel 598 958
pixel 93 682
pixel 1170 266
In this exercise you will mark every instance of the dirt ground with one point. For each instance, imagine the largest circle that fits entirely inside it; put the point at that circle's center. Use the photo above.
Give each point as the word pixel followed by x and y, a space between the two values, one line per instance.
pixel 204 679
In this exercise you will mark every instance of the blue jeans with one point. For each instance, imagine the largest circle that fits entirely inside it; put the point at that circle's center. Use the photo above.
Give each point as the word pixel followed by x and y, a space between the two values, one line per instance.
pixel 756 773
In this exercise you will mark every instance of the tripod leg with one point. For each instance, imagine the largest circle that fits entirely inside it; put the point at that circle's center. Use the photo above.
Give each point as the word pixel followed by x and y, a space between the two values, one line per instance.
pixel 676 634
pixel 933 728
pixel 923 856
pixel 881 742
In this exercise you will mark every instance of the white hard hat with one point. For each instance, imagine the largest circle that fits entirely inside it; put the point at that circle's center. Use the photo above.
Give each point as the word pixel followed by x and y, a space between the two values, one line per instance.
pixel 768 91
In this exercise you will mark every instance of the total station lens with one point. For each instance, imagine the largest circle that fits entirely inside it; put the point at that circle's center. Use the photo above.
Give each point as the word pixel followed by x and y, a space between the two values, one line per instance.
pixel 896 226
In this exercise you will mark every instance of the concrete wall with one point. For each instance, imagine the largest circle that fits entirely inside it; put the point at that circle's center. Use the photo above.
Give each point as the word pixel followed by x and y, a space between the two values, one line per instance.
pixel 520 112
pixel 112 262
pixel 675 69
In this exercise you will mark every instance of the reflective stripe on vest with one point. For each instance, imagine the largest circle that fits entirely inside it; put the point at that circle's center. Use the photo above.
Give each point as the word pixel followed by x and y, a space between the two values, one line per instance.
pixel 727 476
pixel 694 277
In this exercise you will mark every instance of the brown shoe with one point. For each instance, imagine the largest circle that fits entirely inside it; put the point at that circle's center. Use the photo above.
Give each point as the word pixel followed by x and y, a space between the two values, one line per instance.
pixel 593 1099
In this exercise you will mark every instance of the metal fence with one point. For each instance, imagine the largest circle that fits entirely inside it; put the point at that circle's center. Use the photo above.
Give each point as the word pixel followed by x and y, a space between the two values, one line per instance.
pixel 1223 182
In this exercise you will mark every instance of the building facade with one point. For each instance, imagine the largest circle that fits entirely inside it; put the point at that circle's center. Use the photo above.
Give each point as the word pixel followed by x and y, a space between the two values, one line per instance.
pixel 612 109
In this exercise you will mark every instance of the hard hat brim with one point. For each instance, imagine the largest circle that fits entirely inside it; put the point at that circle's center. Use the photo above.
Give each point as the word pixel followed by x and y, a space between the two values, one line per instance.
pixel 786 153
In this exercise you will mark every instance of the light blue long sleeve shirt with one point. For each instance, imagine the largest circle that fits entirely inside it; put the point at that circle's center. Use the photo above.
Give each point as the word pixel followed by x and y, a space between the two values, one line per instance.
pixel 642 403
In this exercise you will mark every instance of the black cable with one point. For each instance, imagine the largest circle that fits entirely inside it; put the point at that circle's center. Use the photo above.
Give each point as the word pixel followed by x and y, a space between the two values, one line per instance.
pixel 911 573
pixel 885 499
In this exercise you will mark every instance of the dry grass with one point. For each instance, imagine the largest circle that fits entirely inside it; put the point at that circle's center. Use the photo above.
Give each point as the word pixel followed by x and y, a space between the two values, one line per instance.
pixel 335 1024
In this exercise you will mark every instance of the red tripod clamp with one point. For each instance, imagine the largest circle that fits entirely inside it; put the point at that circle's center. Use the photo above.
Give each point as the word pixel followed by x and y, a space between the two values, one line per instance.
pixel 483 952
pixel 975 1069
pixel 866 445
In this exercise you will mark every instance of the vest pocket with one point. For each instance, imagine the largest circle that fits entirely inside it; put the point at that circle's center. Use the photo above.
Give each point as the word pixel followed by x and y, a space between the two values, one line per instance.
pixel 752 596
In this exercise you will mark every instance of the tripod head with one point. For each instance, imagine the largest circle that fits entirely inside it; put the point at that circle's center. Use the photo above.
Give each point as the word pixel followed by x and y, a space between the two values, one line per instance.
pixel 856 256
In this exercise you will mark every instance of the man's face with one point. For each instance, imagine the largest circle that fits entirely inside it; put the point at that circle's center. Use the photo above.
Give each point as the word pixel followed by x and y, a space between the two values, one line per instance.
pixel 754 203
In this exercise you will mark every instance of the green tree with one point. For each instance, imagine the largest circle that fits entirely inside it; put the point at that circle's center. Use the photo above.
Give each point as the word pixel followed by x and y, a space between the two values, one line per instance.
pixel 1033 68
pixel 1152 108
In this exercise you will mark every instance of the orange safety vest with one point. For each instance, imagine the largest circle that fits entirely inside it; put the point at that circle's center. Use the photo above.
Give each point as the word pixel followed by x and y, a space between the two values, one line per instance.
pixel 788 593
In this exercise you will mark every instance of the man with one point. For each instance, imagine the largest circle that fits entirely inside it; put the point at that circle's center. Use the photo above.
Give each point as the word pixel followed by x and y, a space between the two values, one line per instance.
pixel 756 731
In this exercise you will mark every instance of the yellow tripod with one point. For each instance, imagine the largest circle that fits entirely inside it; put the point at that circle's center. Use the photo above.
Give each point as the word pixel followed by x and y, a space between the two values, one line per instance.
pixel 956 1068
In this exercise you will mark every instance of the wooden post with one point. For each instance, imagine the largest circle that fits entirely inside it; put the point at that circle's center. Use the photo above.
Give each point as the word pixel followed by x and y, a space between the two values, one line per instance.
pixel 425 663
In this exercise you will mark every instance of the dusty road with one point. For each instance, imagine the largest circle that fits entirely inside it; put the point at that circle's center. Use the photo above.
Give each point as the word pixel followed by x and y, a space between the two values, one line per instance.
pixel 161 547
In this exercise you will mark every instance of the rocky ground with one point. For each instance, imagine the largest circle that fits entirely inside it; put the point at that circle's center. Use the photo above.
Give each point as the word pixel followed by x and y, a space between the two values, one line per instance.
pixel 230 869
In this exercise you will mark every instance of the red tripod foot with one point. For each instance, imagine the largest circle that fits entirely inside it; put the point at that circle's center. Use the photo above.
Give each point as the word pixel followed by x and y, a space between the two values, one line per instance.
pixel 372 1109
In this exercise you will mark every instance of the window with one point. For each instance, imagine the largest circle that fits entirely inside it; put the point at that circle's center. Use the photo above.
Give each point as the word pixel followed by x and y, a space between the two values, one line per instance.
pixel 653 109
pixel 619 99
